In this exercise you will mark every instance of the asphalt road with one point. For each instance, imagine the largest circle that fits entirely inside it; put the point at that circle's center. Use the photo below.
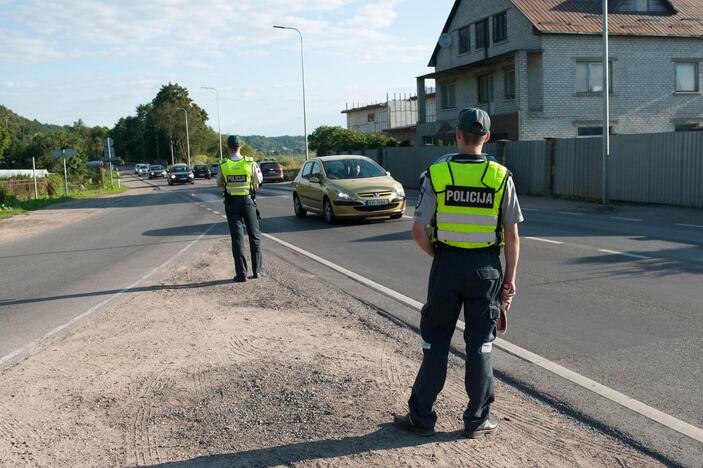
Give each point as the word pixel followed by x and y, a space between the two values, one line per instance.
pixel 614 296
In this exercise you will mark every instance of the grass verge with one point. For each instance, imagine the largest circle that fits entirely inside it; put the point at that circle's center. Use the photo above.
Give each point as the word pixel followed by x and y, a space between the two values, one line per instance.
pixel 15 207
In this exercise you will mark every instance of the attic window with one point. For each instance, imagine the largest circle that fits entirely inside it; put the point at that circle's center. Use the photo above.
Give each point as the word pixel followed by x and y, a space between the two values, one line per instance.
pixel 657 7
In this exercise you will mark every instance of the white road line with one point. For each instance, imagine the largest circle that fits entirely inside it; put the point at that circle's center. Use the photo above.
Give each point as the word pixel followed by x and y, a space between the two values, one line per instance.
pixel 102 304
pixel 216 212
pixel 622 218
pixel 539 239
pixel 654 414
pixel 690 225
pixel 571 213
pixel 625 254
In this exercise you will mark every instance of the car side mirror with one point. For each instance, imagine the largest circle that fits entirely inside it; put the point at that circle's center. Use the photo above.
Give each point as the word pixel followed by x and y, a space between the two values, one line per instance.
pixel 388 173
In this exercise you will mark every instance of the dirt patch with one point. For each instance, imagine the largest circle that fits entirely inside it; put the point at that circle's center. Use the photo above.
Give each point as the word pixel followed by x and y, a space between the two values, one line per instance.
pixel 285 370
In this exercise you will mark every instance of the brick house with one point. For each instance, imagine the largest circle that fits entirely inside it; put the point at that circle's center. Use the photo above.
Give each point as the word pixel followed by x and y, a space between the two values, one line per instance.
pixel 536 67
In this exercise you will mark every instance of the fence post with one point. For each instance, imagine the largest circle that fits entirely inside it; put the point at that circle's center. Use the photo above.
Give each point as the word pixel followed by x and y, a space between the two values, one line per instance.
pixel 549 162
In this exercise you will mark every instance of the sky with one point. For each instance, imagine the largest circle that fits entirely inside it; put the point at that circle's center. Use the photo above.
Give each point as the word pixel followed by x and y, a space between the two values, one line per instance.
pixel 61 60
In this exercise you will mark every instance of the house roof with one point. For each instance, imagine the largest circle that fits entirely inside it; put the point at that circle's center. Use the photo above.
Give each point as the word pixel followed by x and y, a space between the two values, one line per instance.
pixel 584 17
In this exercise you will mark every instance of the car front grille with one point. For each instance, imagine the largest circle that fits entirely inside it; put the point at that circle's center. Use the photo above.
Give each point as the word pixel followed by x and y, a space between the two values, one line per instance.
pixel 375 194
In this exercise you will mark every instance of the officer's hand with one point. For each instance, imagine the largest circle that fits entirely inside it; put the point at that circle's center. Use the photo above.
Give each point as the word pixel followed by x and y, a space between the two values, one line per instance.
pixel 507 294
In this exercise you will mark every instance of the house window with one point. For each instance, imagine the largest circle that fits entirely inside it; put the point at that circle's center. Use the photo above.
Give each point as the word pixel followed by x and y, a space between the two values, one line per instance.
pixel 371 117
pixel 500 27
pixel 589 77
pixel 686 77
pixel 687 127
pixel 465 40
pixel 509 84
pixel 481 30
pixel 643 6
pixel 485 89
pixel 448 96
pixel 592 131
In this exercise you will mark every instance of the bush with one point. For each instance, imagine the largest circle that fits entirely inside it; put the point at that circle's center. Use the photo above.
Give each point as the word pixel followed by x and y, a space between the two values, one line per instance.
pixel 6 197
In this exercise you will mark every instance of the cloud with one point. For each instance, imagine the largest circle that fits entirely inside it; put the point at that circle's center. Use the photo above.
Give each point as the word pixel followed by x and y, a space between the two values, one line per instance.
pixel 16 46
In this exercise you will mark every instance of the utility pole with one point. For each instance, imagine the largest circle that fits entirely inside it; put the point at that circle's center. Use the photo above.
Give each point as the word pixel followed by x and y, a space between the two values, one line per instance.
pixel 606 106
pixel 173 161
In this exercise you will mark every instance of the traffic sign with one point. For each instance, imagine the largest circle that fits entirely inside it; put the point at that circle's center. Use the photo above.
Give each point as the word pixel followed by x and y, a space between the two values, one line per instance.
pixel 63 153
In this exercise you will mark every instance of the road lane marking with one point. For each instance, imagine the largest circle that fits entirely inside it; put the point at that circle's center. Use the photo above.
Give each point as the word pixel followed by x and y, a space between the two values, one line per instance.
pixel 690 225
pixel 539 239
pixel 571 213
pixel 622 218
pixel 616 252
pixel 102 304
pixel 654 414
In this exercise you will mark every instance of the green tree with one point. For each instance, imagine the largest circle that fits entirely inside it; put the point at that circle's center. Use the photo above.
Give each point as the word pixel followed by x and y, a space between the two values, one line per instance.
pixel 325 139
pixel 5 139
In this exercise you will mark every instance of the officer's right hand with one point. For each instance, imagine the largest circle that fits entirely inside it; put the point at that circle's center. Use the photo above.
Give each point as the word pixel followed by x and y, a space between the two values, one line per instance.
pixel 507 294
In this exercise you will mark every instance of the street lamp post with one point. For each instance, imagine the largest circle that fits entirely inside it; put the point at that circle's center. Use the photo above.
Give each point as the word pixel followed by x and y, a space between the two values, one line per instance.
pixel 302 67
pixel 219 130
pixel 187 134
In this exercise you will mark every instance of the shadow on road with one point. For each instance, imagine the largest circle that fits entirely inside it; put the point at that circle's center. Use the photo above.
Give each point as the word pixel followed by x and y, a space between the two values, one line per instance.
pixel 283 224
pixel 220 229
pixel 108 292
pixel 385 438
pixel 661 263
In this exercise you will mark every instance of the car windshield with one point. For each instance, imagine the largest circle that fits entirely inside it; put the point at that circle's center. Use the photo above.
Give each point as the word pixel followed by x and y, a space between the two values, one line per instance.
pixel 200 168
pixel 179 169
pixel 352 169
pixel 269 165
pixel 156 168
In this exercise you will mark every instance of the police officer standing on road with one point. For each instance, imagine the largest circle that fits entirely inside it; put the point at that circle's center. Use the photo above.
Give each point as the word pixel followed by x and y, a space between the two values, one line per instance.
pixel 240 177
pixel 467 211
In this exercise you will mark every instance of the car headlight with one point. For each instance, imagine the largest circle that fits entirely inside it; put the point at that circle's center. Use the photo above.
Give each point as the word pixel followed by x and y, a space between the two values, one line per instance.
pixel 343 195
pixel 190 175
pixel 400 191
pixel 173 176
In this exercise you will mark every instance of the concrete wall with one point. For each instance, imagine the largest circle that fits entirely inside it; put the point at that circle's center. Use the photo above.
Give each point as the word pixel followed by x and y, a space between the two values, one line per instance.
pixel 357 120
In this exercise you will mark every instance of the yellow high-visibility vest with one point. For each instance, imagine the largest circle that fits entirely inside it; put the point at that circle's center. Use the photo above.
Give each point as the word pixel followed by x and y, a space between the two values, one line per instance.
pixel 237 176
pixel 469 197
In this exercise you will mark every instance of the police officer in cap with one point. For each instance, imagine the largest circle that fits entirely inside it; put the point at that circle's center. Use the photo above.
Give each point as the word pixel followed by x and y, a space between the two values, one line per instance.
pixel 467 212
pixel 240 177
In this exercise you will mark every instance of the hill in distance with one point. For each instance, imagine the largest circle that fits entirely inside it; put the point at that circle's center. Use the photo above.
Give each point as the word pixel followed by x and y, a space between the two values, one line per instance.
pixel 281 145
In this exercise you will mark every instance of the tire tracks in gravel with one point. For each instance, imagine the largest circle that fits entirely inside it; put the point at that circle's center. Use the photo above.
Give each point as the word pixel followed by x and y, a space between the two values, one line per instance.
pixel 21 438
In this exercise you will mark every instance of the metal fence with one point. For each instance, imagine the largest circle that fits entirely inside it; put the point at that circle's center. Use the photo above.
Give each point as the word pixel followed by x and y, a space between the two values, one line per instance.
pixel 663 168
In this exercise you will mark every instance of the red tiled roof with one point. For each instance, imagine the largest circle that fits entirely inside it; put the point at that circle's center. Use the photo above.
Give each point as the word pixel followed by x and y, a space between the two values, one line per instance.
pixel 584 17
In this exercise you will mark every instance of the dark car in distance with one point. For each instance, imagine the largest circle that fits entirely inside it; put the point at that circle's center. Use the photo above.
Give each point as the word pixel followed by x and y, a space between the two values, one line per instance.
pixel 201 171
pixel 180 174
pixel 272 171
pixel 214 169
pixel 156 171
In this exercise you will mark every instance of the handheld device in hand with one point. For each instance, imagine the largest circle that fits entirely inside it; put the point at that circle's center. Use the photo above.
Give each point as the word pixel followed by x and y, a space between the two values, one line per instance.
pixel 502 324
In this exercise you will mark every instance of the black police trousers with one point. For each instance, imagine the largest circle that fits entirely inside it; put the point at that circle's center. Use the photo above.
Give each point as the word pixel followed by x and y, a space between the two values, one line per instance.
pixel 471 279
pixel 241 213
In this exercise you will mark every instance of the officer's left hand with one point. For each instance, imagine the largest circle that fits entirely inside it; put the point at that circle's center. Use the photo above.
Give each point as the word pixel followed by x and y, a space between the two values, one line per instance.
pixel 507 294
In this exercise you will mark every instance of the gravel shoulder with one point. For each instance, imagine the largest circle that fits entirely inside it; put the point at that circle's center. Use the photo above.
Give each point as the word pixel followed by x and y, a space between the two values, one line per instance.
pixel 285 370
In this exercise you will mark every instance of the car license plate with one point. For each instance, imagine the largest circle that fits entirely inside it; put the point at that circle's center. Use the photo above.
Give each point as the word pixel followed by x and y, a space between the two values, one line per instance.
pixel 376 202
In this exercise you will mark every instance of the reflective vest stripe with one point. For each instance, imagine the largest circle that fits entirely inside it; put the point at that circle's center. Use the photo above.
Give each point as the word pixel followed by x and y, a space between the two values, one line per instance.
pixel 470 237
pixel 481 220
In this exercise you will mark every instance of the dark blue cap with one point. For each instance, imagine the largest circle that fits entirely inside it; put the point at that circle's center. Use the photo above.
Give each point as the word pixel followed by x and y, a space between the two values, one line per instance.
pixel 233 141
pixel 471 116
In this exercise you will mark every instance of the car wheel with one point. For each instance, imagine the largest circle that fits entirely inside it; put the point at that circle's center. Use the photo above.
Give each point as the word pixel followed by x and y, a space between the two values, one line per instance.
pixel 397 215
pixel 328 211
pixel 300 212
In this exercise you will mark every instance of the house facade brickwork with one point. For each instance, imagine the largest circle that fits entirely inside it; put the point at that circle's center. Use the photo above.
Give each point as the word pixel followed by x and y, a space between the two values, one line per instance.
pixel 547 84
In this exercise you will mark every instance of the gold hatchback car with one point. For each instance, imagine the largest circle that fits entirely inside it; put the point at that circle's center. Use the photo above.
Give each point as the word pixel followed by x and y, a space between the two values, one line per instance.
pixel 347 186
